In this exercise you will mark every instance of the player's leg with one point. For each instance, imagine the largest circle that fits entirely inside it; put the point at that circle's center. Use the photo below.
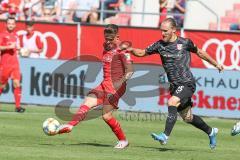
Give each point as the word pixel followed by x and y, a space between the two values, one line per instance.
pixel 17 95
pixel 2 86
pixel 188 117
pixel 4 75
pixel 90 101
pixel 95 97
pixel 115 126
pixel 16 77
pixel 173 103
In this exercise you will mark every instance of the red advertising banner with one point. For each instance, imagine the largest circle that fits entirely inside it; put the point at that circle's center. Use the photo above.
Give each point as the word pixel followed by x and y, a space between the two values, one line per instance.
pixel 60 40
pixel 224 47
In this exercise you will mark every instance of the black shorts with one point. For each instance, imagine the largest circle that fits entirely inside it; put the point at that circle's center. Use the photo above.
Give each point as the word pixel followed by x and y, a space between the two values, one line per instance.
pixel 184 92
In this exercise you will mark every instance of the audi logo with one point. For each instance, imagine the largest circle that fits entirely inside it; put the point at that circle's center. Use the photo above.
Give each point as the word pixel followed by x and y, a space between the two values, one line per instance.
pixel 221 53
pixel 44 37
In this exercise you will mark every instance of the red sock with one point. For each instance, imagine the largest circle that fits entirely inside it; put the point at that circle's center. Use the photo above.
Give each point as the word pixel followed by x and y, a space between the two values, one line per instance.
pixel 116 128
pixel 1 90
pixel 17 96
pixel 80 115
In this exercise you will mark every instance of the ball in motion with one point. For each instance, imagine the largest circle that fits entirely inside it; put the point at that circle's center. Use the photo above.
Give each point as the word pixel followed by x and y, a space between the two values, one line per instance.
pixel 51 126
pixel 236 129
pixel 24 52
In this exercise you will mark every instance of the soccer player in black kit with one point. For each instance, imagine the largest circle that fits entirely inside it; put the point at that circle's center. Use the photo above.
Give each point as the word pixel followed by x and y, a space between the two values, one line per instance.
pixel 175 55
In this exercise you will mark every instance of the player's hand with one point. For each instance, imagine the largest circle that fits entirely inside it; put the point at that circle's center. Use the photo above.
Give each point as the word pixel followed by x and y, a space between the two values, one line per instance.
pixel 125 45
pixel 220 67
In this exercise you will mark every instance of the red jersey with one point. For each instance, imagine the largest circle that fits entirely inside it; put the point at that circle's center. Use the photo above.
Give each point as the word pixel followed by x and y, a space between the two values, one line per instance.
pixel 114 62
pixel 9 57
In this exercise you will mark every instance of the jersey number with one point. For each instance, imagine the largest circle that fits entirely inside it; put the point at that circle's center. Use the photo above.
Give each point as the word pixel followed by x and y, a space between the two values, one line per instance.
pixel 179 89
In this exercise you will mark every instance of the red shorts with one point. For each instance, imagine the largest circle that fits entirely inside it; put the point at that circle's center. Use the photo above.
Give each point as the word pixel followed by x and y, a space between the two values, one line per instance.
pixel 108 95
pixel 12 72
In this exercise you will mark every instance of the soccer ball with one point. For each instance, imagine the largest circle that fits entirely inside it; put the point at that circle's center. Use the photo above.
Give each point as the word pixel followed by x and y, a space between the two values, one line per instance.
pixel 236 129
pixel 50 126
pixel 24 52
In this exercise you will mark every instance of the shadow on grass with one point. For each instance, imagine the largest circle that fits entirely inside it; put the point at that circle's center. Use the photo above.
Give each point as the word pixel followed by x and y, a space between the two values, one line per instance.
pixel 161 149
pixel 78 144
pixel 47 144
pixel 7 111
pixel 91 144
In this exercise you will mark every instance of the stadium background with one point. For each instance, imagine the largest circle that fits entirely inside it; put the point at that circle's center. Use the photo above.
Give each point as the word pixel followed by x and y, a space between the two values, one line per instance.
pixel 217 94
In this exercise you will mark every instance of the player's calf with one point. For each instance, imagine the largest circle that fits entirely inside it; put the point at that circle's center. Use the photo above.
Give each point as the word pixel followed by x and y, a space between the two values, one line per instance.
pixel 186 115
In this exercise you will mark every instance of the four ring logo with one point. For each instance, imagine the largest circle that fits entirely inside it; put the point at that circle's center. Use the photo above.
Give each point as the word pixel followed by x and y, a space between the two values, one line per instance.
pixel 221 53
pixel 44 37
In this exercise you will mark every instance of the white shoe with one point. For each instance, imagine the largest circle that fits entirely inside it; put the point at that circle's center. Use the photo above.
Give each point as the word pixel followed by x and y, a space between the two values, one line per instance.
pixel 122 144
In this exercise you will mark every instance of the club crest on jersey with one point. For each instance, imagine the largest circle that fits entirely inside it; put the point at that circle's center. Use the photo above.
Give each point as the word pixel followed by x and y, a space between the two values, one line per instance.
pixel 114 51
pixel 107 58
pixel 179 46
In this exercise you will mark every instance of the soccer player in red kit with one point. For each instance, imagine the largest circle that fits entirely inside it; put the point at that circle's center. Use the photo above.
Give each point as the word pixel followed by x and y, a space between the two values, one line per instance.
pixel 117 69
pixel 9 64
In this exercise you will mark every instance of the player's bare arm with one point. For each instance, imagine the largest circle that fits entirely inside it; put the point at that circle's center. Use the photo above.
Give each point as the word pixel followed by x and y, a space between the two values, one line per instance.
pixel 138 52
pixel 128 74
pixel 205 56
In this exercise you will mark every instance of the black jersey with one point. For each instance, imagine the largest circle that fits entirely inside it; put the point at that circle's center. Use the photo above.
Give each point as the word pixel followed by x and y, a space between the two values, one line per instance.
pixel 175 58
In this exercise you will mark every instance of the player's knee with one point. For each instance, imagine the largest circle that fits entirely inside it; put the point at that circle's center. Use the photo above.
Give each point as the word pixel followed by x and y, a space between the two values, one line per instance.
pixel 16 84
pixel 90 101
pixel 173 102
pixel 107 116
pixel 187 118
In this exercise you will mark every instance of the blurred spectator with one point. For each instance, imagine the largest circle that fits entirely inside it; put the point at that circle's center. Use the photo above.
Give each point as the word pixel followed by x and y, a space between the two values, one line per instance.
pixel 121 18
pixel 13 12
pixel 179 8
pixel 65 10
pixel 26 14
pixel 50 5
pixel 235 26
pixel 4 6
pixel 90 16
pixel 110 5
pixel 163 10
pixel 128 2
pixel 30 9
pixel 9 8
pixel 47 16
pixel 30 41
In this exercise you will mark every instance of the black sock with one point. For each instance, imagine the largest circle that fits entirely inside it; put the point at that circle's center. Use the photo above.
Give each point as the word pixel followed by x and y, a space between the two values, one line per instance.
pixel 171 119
pixel 200 124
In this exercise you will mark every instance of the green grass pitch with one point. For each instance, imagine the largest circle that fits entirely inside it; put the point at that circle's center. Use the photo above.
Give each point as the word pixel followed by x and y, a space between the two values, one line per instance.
pixel 21 137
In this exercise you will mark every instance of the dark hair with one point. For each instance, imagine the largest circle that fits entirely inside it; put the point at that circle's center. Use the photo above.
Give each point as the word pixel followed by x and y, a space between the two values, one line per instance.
pixel 111 29
pixel 10 18
pixel 172 21
pixel 29 23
